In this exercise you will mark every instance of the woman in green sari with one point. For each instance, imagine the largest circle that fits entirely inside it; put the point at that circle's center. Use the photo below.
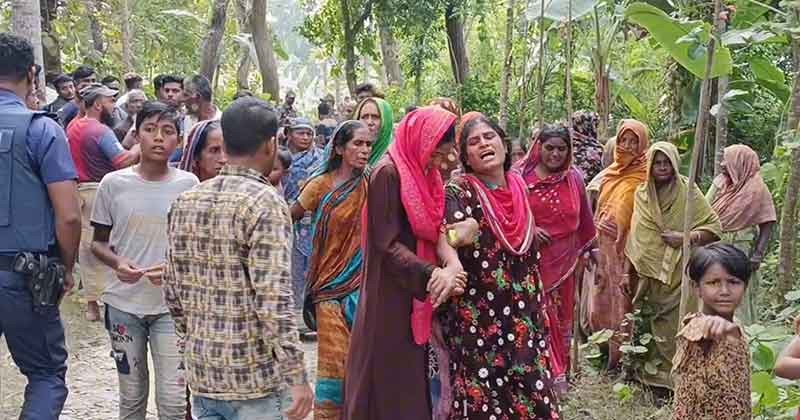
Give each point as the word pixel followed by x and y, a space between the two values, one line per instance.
pixel 747 214
pixel 654 254
pixel 377 115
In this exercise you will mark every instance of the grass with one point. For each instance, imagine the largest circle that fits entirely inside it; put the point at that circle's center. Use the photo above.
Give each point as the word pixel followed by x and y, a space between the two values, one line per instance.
pixel 593 397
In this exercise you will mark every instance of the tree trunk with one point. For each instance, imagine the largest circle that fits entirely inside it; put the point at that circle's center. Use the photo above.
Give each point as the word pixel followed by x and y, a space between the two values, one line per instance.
pixel 349 49
pixel 721 134
pixel 243 14
pixel 601 83
pixel 457 44
pixel 391 63
pixel 265 50
pixel 507 65
pixel 98 41
pixel 788 224
pixel 568 93
pixel 26 23
pixel 127 37
pixel 209 57
pixel 540 81
pixel 51 48
pixel 697 150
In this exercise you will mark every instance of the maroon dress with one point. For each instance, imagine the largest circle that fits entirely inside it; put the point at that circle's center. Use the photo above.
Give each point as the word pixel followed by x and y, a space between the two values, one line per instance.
pixel 387 377
pixel 496 332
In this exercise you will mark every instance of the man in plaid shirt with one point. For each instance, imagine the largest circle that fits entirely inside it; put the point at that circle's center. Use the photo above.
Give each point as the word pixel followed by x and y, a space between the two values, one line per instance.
pixel 228 281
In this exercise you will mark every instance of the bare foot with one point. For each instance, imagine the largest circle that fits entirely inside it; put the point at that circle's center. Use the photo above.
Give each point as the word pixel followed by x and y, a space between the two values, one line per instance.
pixel 92 311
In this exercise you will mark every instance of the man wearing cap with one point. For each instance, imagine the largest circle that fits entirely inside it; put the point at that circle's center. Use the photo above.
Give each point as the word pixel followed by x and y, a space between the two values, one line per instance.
pixel 96 152
pixel 305 157
pixel 66 92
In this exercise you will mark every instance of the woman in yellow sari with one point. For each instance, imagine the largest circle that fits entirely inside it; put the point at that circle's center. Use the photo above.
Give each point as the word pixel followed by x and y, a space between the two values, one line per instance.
pixel 606 302
pixel 655 251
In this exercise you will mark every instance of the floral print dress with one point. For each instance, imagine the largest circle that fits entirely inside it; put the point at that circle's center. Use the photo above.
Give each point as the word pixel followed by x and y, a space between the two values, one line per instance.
pixel 496 332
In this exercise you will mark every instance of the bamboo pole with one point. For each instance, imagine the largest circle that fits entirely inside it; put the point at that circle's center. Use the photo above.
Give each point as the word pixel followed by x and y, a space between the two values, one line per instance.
pixel 568 66
pixel 540 102
pixel 697 154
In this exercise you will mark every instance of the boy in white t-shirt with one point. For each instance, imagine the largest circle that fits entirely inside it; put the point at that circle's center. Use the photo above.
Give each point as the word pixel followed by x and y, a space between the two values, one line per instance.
pixel 130 236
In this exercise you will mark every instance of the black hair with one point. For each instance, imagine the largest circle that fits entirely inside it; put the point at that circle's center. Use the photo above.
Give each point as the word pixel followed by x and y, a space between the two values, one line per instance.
pixel 131 81
pixel 243 93
pixel 82 72
pixel 732 259
pixel 323 109
pixel 16 57
pixel 162 111
pixel 285 156
pixel 201 139
pixel 411 108
pixel 162 79
pixel 109 79
pixel 247 124
pixel 558 130
pixel 61 79
pixel 366 87
pixel 343 135
pixel 462 152
pixel 200 84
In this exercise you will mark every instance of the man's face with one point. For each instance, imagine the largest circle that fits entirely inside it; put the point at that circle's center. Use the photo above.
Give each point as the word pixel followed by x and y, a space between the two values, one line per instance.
pixel 106 104
pixel 66 90
pixel 364 95
pixel 290 100
pixel 82 83
pixel 170 93
pixel 134 105
pixel 137 85
pixel 191 100
pixel 158 139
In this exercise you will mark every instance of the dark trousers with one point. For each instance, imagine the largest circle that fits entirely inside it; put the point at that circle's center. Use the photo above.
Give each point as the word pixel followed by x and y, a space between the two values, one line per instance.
pixel 35 338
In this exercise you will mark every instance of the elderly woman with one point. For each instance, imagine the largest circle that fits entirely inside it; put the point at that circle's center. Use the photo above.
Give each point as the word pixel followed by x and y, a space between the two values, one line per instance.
pixel 335 195
pixel 607 303
pixel 565 230
pixel 377 115
pixel 204 155
pixel 655 251
pixel 747 214
pixel 388 362
pixel 496 331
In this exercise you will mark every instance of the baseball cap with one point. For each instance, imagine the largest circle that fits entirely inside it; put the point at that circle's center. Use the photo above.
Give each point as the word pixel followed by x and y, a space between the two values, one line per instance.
pixel 301 122
pixel 91 92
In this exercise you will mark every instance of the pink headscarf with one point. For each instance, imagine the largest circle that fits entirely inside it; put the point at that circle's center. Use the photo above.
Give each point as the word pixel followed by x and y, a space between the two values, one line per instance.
pixel 421 191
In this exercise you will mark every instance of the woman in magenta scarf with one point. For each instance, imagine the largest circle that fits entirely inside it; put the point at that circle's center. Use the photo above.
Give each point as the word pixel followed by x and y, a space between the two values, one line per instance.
pixel 388 365
pixel 565 231
pixel 496 332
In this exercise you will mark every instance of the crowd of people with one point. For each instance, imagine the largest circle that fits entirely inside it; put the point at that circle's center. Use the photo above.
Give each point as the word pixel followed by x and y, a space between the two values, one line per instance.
pixel 445 270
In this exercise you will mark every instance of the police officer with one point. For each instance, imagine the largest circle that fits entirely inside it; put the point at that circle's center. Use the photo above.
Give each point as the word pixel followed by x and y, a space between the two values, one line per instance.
pixel 39 215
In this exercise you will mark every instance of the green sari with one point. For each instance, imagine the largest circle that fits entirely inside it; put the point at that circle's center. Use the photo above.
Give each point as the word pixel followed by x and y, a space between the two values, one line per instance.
pixel 658 266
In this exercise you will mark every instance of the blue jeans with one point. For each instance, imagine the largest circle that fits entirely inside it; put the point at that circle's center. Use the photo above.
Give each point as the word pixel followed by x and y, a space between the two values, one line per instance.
pixel 270 408
pixel 35 339
pixel 130 336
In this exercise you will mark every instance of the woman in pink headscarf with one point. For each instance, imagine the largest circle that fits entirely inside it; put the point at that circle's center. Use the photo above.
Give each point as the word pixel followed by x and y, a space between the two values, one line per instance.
pixel 388 361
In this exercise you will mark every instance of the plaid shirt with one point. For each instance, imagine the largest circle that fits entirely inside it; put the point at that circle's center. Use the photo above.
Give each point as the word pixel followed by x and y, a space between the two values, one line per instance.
pixel 228 287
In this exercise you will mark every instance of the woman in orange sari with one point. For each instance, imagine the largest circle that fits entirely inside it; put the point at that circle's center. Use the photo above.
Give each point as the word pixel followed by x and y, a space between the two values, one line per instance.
pixel 607 299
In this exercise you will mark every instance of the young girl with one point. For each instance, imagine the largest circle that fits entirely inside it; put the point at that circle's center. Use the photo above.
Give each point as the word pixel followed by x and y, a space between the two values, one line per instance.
pixel 711 367
pixel 283 160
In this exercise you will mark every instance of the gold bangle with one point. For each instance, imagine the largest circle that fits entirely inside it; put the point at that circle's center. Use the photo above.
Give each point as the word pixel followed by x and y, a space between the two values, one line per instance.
pixel 452 237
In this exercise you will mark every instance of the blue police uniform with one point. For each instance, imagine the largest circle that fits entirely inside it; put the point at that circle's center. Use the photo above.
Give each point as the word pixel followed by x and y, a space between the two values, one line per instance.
pixel 33 153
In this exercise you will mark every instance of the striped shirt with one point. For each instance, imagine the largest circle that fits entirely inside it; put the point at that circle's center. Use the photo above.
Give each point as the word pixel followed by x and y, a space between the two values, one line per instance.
pixel 228 287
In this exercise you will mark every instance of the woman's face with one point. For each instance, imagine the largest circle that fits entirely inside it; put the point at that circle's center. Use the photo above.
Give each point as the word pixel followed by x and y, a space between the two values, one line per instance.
pixel 212 157
pixel 485 149
pixel 554 153
pixel 628 142
pixel 355 153
pixel 663 173
pixel 277 173
pixel 517 152
pixel 371 117
pixel 444 159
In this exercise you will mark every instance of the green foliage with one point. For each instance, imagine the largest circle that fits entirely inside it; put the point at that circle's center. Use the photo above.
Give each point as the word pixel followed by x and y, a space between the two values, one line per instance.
pixel 684 40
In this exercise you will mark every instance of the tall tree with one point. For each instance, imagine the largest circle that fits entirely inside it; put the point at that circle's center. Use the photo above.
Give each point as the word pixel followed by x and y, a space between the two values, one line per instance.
pixel 456 41
pixel 391 61
pixel 243 15
pixel 26 23
pixel 51 48
pixel 210 51
pixel 127 36
pixel 788 228
pixel 265 51
pixel 508 68
pixel 96 29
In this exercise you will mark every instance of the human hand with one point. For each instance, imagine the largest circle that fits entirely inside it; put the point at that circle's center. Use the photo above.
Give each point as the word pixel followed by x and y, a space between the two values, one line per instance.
pixel 716 327
pixel 127 272
pixel 755 262
pixel 463 233
pixel 69 281
pixel 542 237
pixel 155 274
pixel 302 402
pixel 446 282
pixel 625 284
pixel 672 239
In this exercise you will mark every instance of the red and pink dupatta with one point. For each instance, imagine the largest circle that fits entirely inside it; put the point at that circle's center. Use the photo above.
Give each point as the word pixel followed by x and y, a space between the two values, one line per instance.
pixel 422 192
